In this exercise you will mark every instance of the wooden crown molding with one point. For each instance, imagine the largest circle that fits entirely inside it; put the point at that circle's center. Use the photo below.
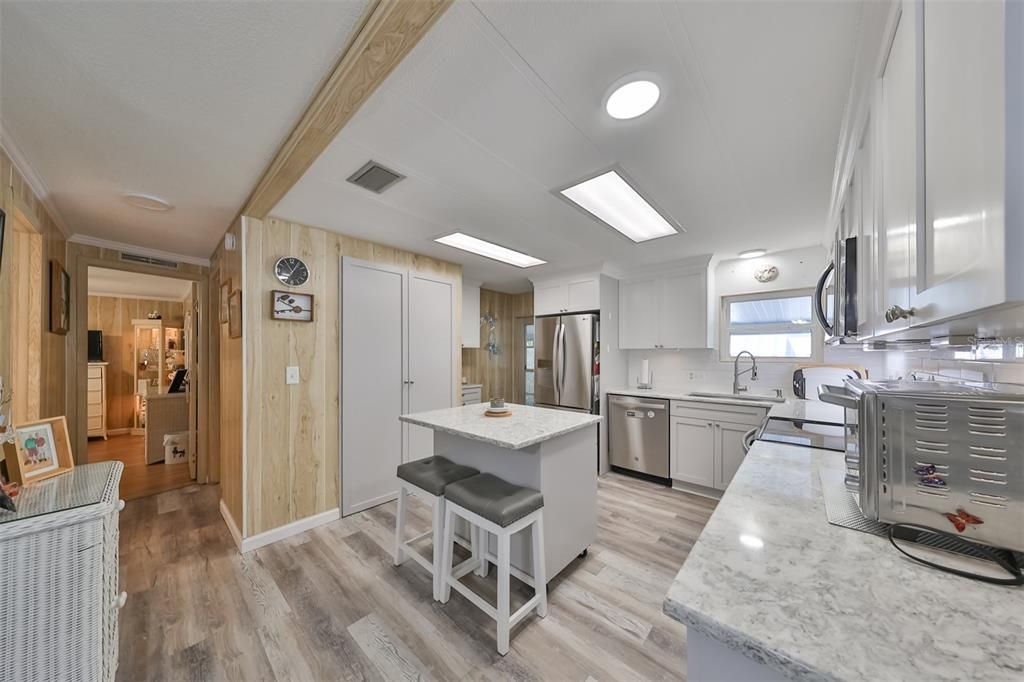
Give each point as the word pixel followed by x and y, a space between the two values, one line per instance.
pixel 388 32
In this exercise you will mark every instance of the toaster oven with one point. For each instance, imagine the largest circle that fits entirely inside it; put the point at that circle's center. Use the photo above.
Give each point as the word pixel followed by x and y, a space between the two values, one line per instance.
pixel 942 455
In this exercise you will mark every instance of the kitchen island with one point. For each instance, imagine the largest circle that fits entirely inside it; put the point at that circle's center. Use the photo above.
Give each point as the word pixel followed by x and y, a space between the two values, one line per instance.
pixel 772 591
pixel 552 451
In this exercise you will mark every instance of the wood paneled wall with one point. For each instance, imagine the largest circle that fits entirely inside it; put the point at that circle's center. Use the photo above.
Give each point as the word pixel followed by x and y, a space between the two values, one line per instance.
pixel 226 377
pixel 113 316
pixel 499 373
pixel 292 448
pixel 17 197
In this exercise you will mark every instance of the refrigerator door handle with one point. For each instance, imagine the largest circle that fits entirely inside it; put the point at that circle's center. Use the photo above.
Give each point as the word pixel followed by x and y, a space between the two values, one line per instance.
pixel 556 345
pixel 561 385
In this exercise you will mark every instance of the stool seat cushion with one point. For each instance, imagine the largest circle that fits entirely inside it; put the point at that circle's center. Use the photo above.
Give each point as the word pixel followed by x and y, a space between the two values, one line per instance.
pixel 495 499
pixel 432 474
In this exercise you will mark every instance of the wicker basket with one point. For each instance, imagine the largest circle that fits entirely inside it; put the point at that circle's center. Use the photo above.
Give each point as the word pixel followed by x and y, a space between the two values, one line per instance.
pixel 59 597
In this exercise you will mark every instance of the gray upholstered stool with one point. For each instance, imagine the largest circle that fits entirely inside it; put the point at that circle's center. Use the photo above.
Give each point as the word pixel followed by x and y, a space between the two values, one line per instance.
pixel 426 478
pixel 492 505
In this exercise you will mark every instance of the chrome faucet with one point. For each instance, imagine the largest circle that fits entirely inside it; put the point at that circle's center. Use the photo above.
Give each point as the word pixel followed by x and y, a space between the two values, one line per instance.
pixel 736 373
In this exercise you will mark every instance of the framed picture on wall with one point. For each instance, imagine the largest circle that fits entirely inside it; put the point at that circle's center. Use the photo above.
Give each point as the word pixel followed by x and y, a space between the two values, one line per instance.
pixel 235 314
pixel 60 299
pixel 225 296
pixel 291 306
pixel 41 449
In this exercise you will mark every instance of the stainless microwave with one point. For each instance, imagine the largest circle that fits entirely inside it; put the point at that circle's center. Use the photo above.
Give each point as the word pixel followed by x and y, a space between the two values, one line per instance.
pixel 837 314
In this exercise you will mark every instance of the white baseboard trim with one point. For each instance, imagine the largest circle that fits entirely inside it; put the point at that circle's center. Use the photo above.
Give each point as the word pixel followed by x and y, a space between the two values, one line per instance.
pixel 232 527
pixel 288 530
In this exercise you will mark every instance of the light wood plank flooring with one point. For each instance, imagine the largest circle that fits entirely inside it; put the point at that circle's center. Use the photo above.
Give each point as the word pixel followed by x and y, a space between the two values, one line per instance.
pixel 328 604
pixel 139 479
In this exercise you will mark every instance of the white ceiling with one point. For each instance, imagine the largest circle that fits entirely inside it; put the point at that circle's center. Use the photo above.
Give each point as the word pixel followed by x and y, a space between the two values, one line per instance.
pixel 107 282
pixel 184 100
pixel 502 102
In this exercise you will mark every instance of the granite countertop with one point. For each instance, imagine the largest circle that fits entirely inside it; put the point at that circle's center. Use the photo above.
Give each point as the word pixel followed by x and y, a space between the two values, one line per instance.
pixel 527 426
pixel 809 410
pixel 687 394
pixel 770 578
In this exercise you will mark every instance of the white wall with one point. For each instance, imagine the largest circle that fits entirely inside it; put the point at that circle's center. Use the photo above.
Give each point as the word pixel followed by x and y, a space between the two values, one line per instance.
pixel 703 370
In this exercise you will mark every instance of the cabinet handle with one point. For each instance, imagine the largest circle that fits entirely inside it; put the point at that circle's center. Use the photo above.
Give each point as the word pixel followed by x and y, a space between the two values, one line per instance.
pixel 898 313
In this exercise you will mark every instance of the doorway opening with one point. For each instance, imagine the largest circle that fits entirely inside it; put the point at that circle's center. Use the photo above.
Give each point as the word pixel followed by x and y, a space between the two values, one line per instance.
pixel 142 353
pixel 524 359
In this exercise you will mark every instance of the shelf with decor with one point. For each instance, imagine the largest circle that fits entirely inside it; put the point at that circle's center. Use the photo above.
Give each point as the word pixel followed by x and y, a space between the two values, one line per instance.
pixel 159 351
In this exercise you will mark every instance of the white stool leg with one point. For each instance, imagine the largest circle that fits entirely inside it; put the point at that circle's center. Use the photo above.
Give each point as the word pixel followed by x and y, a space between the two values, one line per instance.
pixel 400 527
pixel 483 539
pixel 446 561
pixel 503 592
pixel 438 532
pixel 539 574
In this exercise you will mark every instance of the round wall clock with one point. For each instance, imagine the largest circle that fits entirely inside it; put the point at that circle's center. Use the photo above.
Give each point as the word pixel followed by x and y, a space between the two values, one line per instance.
pixel 291 271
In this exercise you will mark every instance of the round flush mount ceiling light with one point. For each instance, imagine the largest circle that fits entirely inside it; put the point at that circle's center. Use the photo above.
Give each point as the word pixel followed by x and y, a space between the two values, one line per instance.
pixel 632 96
pixel 148 202
pixel 753 253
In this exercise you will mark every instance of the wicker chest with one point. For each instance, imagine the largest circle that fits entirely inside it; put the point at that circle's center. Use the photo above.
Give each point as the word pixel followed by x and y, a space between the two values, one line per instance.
pixel 59 596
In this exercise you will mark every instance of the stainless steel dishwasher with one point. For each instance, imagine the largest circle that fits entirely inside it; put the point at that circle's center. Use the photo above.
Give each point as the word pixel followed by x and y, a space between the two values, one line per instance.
pixel 638 435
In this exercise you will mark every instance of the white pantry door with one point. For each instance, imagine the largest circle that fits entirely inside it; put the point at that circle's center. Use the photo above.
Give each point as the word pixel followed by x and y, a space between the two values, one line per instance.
pixel 432 348
pixel 373 331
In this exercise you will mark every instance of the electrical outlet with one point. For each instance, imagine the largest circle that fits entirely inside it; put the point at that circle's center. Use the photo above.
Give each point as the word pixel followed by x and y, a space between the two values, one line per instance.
pixel 693 376
pixel 291 375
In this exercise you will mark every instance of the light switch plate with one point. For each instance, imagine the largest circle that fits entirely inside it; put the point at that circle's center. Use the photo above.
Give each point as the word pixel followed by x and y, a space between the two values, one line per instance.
pixel 291 375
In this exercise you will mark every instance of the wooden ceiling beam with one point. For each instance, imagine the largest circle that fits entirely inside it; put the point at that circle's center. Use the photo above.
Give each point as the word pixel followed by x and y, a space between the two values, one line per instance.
pixel 389 30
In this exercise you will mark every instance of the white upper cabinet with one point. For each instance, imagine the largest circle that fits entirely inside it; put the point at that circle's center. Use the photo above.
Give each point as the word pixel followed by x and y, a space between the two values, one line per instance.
pixel 639 308
pixel 573 295
pixel 470 316
pixel 665 311
pixel 965 260
pixel 897 173
pixel 933 161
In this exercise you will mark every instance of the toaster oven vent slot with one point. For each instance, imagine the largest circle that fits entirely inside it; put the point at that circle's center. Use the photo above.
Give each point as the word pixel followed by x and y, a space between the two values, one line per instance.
pixel 995 499
pixel 994 454
pixel 930 492
pixel 987 504
pixel 940 467
pixel 932 448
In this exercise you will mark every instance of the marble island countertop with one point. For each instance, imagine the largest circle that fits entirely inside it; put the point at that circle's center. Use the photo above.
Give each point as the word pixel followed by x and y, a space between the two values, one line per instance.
pixel 771 579
pixel 527 426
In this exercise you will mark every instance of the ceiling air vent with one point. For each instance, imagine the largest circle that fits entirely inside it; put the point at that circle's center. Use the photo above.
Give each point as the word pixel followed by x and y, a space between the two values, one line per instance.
pixel 375 177
pixel 147 260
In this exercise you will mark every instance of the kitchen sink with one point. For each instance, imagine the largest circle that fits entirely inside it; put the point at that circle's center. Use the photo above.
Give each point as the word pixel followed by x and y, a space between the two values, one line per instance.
pixel 741 396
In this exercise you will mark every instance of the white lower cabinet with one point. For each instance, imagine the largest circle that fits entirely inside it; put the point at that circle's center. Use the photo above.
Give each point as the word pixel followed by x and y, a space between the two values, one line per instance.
pixel 706 441
pixel 729 448
pixel 693 451
pixel 399 340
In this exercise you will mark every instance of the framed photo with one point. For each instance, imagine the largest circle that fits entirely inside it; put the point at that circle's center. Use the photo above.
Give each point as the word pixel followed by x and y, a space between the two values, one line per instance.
pixel 41 449
pixel 225 296
pixel 291 306
pixel 235 314
pixel 60 299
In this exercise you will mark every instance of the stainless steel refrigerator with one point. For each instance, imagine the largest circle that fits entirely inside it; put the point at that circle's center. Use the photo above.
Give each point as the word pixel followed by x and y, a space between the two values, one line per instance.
pixel 567 366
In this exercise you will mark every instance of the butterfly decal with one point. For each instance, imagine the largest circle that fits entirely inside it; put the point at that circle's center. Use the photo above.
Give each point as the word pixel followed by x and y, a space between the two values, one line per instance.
pixel 962 519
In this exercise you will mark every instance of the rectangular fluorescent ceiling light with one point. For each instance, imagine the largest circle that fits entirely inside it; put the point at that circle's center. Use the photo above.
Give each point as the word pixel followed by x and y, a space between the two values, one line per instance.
pixel 462 241
pixel 612 200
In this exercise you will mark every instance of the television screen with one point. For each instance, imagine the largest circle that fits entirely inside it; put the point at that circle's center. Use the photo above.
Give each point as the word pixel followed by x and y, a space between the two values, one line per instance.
pixel 95 345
